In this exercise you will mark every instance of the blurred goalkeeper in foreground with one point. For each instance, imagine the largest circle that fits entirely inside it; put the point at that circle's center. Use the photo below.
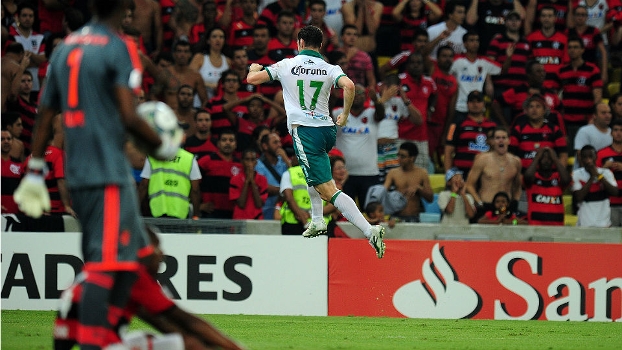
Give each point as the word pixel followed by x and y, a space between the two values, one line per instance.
pixel 147 300
pixel 92 78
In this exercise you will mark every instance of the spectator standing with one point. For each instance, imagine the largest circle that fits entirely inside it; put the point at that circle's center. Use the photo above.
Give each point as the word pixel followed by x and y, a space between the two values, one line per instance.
pixel 489 18
pixel 449 32
pixel 12 122
pixel 239 64
pixel 211 63
pixel 227 107
pixel 25 105
pixel 269 15
pixel 283 44
pixel 360 66
pixel 258 53
pixel 594 41
pixel 611 158
pixel 418 93
pixel 545 181
pixel 456 204
pixel 148 20
pixel 12 172
pixel 466 138
pixel 398 62
pixel 102 192
pixel 515 97
pixel 411 181
pixel 241 30
pixel 591 188
pixel 272 164
pixel 248 190
pixel 182 74
pixel 217 169
pixel 394 110
pixel 185 111
pixel 534 22
pixel 317 15
pixel 360 136
pixel 533 133
pixel 443 113
pixel 33 42
pixel 581 87
pixel 200 144
pixel 365 16
pixel 14 62
pixel 493 172
pixel 413 14
pixel 511 50
pixel 172 187
pixel 597 134
pixel 549 46
pixel 472 72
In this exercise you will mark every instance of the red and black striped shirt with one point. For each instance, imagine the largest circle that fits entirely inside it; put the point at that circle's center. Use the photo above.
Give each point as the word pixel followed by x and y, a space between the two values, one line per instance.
pixel 525 140
pixel 604 155
pixel 591 38
pixel 515 76
pixel 578 86
pixel 469 139
pixel 545 201
pixel 217 173
pixel 551 52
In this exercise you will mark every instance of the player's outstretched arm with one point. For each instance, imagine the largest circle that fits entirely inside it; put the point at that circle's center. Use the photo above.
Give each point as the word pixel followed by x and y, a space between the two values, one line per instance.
pixel 257 74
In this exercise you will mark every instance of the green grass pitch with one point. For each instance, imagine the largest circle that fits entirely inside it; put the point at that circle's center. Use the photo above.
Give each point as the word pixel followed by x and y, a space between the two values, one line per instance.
pixel 33 330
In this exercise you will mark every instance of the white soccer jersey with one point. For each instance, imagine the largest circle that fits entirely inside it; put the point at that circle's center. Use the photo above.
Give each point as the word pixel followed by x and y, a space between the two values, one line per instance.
pixel 358 140
pixel 306 80
pixel 471 76
pixel 594 212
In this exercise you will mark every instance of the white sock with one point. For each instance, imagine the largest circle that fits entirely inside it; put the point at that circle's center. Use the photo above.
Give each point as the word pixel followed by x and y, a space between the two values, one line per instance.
pixel 316 205
pixel 350 211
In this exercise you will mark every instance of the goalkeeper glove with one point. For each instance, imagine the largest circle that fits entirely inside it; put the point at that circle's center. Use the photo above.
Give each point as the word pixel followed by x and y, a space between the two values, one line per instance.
pixel 32 195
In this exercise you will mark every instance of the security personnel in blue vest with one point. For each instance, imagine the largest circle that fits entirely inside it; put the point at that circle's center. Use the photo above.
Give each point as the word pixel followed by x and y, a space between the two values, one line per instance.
pixel 172 185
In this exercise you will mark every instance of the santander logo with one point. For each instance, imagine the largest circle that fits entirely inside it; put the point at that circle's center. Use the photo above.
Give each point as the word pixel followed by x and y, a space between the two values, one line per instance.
pixel 439 295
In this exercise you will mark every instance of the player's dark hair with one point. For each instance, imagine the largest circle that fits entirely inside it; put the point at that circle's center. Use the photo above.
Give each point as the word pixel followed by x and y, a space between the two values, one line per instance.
pixel 312 36
pixel 104 9
pixel 74 18
pixel 411 148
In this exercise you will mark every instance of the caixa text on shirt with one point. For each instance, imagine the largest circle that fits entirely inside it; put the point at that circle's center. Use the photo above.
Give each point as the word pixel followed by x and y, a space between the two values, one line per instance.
pixel 20 274
pixel 298 70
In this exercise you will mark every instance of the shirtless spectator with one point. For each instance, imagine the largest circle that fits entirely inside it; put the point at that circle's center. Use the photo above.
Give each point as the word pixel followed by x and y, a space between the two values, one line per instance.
pixel 185 111
pixel 14 62
pixel 495 171
pixel 148 20
pixel 183 75
pixel 413 182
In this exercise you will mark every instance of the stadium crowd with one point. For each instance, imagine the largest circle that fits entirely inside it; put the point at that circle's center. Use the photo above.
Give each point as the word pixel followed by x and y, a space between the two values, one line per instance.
pixel 514 107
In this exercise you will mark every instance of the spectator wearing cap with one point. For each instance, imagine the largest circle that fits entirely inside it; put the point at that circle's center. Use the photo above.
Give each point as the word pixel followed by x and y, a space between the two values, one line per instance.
pixel 466 138
pixel 511 50
pixel 472 72
pixel 534 132
pixel 457 205
pixel 490 16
